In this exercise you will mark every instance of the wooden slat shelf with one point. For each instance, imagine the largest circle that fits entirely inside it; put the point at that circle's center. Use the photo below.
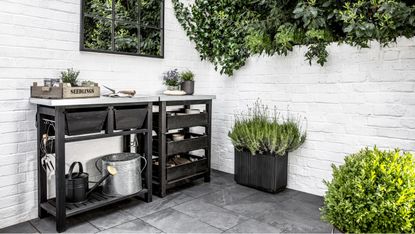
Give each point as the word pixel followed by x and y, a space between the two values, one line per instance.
pixel 183 120
pixel 95 200
pixel 186 145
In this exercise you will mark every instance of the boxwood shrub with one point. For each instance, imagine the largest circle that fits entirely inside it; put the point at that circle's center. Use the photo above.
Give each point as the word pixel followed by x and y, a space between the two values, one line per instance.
pixel 373 192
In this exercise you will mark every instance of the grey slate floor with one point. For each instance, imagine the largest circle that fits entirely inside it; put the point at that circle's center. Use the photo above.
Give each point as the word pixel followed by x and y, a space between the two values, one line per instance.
pixel 215 207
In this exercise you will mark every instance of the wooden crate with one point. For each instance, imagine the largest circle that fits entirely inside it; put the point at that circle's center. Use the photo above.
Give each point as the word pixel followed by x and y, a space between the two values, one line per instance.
pixel 64 92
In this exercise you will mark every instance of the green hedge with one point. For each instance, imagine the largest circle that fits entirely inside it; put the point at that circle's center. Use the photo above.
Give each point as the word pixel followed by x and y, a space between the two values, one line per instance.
pixel 373 192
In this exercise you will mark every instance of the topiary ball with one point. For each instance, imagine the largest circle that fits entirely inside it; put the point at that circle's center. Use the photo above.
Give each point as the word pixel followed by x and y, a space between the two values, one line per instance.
pixel 374 191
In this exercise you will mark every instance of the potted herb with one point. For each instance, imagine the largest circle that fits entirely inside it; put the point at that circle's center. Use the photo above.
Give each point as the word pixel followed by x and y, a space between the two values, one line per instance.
pixel 70 76
pixel 188 83
pixel 172 80
pixel 262 141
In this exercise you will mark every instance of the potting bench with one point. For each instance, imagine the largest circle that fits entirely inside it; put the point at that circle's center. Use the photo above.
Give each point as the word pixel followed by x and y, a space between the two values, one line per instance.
pixel 85 113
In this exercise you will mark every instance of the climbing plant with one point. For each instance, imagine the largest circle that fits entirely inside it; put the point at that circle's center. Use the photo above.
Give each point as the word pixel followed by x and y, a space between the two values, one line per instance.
pixel 227 32
pixel 218 28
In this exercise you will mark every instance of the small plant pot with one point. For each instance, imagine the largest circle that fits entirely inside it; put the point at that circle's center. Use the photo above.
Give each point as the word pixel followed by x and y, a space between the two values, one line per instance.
pixel 173 88
pixel 265 172
pixel 188 87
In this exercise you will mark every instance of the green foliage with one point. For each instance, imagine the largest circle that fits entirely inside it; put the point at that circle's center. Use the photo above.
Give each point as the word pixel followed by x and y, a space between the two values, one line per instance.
pixel 187 76
pixel 218 29
pixel 259 131
pixel 227 32
pixel 373 192
pixel 70 76
pixel 135 27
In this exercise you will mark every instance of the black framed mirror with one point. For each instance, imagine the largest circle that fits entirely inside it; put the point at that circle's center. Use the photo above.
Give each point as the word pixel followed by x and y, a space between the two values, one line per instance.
pixel 131 27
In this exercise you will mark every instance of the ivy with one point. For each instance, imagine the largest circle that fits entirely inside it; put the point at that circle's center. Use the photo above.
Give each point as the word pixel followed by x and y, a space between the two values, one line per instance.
pixel 218 28
pixel 227 32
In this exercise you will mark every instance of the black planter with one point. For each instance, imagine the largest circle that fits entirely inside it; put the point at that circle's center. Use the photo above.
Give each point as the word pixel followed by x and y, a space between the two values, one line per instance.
pixel 188 87
pixel 266 172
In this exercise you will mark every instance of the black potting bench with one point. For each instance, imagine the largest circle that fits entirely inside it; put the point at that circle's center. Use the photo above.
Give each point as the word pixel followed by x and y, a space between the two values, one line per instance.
pixel 165 177
pixel 71 120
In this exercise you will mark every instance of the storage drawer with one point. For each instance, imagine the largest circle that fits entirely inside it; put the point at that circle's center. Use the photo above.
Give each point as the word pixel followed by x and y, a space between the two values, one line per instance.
pixel 188 169
pixel 85 121
pixel 129 118
pixel 186 145
pixel 189 120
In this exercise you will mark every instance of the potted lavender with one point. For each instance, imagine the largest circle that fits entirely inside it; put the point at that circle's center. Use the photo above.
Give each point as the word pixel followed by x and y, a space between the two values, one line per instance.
pixel 172 80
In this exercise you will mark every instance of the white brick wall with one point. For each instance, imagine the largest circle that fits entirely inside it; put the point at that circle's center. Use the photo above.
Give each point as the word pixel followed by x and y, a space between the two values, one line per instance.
pixel 359 98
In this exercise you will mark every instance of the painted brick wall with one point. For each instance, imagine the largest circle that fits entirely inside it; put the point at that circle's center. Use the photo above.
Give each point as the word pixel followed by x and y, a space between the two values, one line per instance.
pixel 39 38
pixel 359 98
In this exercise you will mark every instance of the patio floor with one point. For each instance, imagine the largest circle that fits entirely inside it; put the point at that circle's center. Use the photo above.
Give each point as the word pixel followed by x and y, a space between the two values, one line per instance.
pixel 215 207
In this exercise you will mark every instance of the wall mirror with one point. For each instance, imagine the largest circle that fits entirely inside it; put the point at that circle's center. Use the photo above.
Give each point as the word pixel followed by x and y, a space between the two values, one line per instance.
pixel 131 27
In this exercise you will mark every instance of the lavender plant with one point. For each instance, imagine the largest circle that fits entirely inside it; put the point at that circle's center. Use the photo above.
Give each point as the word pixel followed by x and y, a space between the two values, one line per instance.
pixel 171 78
pixel 259 131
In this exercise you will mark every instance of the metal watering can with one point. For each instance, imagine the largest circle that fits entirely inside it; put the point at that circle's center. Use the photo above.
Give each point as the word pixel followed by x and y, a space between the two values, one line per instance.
pixel 77 183
pixel 128 179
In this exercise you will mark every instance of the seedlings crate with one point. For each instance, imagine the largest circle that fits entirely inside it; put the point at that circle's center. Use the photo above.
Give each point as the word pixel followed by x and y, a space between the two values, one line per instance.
pixel 262 171
pixel 62 92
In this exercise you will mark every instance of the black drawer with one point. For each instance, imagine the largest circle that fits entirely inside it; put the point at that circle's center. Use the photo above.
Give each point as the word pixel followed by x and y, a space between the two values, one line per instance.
pixel 85 121
pixel 129 118
pixel 188 120
pixel 188 169
pixel 186 145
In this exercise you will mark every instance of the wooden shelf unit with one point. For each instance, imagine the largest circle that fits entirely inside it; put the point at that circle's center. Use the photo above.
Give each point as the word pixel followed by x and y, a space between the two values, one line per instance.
pixel 168 177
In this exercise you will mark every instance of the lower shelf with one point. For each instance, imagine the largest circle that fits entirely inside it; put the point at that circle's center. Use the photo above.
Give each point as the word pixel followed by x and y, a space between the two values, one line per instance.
pixel 95 200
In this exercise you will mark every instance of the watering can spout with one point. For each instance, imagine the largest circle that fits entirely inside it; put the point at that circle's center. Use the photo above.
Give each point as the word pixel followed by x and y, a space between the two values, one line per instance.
pixel 112 171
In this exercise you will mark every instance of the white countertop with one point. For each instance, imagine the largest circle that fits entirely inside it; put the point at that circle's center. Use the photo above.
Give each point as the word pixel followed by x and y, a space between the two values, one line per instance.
pixel 186 97
pixel 108 100
pixel 92 101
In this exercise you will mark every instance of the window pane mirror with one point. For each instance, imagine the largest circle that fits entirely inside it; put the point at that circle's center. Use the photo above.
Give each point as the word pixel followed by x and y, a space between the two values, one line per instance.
pixel 132 27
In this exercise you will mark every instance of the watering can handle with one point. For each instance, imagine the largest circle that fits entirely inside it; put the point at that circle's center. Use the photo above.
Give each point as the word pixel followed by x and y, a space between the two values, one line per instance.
pixel 80 169
pixel 145 164
pixel 96 165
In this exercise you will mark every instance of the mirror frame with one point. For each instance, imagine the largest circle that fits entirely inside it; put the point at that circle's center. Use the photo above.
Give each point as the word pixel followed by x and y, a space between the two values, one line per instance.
pixel 112 51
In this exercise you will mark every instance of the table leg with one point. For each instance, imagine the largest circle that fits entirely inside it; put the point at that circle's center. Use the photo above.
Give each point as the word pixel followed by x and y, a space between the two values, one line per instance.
pixel 60 169
pixel 42 182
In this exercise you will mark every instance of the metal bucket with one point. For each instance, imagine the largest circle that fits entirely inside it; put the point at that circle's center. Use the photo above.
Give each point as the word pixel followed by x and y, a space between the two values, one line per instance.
pixel 128 179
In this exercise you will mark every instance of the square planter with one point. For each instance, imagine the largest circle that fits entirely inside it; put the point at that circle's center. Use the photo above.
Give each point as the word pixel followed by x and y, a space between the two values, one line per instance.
pixel 266 172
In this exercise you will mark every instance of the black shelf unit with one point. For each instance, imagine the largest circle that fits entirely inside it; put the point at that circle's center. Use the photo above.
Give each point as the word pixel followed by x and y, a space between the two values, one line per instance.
pixel 57 206
pixel 165 177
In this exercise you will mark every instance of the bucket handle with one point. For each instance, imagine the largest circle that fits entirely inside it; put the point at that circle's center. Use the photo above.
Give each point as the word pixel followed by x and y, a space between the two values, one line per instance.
pixel 145 164
pixel 80 169
pixel 96 165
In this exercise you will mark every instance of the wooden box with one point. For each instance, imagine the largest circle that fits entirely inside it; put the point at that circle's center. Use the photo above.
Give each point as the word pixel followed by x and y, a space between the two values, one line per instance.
pixel 62 92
